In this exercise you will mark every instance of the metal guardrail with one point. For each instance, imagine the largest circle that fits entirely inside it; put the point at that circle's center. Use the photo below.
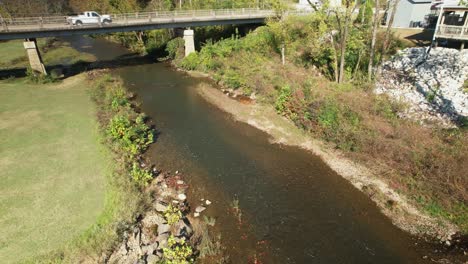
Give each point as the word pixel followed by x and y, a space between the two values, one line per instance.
pixel 22 24
pixel 453 32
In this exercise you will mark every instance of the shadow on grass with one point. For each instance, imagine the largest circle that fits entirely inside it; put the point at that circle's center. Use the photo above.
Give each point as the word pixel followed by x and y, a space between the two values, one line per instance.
pixel 82 66
pixel 421 39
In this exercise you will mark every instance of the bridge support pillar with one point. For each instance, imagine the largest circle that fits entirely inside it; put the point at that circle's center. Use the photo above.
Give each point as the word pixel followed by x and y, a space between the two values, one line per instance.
pixel 189 41
pixel 35 59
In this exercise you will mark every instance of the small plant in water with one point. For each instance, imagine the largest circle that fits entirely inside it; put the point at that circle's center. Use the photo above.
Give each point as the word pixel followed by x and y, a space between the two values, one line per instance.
pixel 236 209
pixel 211 221
pixel 172 215
pixel 177 252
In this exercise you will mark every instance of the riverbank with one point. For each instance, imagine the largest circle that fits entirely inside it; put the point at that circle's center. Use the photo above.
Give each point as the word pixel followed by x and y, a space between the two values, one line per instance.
pixel 157 226
pixel 427 165
pixel 393 204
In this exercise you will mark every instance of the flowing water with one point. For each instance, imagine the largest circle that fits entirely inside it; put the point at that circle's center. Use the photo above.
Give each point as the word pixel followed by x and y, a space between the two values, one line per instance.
pixel 292 208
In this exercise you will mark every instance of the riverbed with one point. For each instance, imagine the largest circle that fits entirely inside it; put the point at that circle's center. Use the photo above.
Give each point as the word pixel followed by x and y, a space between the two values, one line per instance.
pixel 272 203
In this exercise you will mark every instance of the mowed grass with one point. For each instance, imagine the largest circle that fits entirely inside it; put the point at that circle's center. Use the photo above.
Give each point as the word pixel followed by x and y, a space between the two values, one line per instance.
pixel 52 167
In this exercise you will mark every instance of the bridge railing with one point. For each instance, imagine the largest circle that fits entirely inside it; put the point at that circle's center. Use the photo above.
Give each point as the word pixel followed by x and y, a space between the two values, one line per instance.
pixel 60 22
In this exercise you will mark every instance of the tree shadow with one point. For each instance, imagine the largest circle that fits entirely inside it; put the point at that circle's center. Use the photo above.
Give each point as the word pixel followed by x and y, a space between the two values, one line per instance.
pixel 66 71
pixel 422 38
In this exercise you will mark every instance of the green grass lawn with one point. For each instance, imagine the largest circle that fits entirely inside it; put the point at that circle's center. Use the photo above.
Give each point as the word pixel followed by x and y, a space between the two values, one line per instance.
pixel 52 167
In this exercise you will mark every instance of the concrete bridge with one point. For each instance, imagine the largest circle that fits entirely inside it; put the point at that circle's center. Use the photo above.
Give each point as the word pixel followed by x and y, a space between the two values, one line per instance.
pixel 30 28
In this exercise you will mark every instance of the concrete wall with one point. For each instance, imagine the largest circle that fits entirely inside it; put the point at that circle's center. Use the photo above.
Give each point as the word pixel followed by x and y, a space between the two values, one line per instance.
pixel 189 42
pixel 34 56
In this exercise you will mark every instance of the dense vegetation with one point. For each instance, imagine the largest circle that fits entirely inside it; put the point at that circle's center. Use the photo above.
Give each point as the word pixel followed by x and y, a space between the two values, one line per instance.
pixel 427 164
pixel 126 130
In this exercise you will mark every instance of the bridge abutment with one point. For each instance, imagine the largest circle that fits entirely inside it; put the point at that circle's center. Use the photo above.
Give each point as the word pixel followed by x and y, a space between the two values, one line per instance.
pixel 35 59
pixel 189 41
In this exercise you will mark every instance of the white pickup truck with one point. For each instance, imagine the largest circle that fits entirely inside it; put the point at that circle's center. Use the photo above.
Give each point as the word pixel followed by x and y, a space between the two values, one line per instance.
pixel 89 17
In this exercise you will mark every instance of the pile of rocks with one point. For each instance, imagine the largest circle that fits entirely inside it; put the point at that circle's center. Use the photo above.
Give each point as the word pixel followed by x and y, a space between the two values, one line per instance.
pixel 431 87
pixel 144 242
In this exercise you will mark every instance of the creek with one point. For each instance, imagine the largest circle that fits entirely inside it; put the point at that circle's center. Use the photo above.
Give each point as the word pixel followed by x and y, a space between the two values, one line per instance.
pixel 292 208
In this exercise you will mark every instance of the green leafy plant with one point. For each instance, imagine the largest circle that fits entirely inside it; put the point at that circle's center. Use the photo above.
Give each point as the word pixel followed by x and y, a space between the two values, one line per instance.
pixel 282 99
pixel 39 78
pixel 175 48
pixel 132 136
pixel 172 215
pixel 140 175
pixel 177 252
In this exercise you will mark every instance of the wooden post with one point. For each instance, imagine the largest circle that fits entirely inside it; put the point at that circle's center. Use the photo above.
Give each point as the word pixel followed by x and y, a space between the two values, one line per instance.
pixel 465 25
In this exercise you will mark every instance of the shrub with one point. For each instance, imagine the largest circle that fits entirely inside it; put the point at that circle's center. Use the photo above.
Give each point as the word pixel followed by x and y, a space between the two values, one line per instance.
pixel 283 97
pixel 172 215
pixel 39 78
pixel 233 79
pixel 141 176
pixel 190 62
pixel 175 48
pixel 177 252
pixel 132 137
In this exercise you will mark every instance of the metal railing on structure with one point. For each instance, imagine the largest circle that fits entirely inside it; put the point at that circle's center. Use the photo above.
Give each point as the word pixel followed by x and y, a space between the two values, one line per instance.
pixel 60 22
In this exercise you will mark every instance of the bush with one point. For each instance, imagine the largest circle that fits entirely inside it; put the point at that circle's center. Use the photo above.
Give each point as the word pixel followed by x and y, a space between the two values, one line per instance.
pixel 177 252
pixel 234 80
pixel 141 176
pixel 283 97
pixel 131 136
pixel 190 62
pixel 39 78
pixel 172 215
pixel 175 48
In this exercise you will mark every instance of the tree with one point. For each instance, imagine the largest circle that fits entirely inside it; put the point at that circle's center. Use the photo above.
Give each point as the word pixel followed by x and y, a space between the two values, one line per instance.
pixel 344 20
pixel 386 43
pixel 375 26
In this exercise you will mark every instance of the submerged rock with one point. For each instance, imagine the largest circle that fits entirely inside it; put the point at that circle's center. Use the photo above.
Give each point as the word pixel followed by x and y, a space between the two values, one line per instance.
pixel 182 197
pixel 200 209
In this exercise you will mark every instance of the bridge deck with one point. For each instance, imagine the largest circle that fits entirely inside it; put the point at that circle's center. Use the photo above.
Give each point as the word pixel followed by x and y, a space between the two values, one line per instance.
pixel 35 27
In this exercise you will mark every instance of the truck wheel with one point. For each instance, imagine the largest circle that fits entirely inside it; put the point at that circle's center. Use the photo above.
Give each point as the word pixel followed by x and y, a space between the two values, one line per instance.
pixel 78 23
pixel 106 22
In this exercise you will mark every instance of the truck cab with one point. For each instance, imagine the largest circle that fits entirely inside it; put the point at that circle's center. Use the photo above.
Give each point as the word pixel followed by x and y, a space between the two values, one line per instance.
pixel 89 17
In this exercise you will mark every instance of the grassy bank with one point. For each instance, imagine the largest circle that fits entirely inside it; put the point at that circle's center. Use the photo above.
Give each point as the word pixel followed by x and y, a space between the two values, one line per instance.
pixel 62 198
pixel 53 183
pixel 428 165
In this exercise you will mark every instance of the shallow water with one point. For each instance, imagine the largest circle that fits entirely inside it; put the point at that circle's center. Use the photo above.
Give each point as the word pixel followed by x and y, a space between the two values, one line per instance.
pixel 293 208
